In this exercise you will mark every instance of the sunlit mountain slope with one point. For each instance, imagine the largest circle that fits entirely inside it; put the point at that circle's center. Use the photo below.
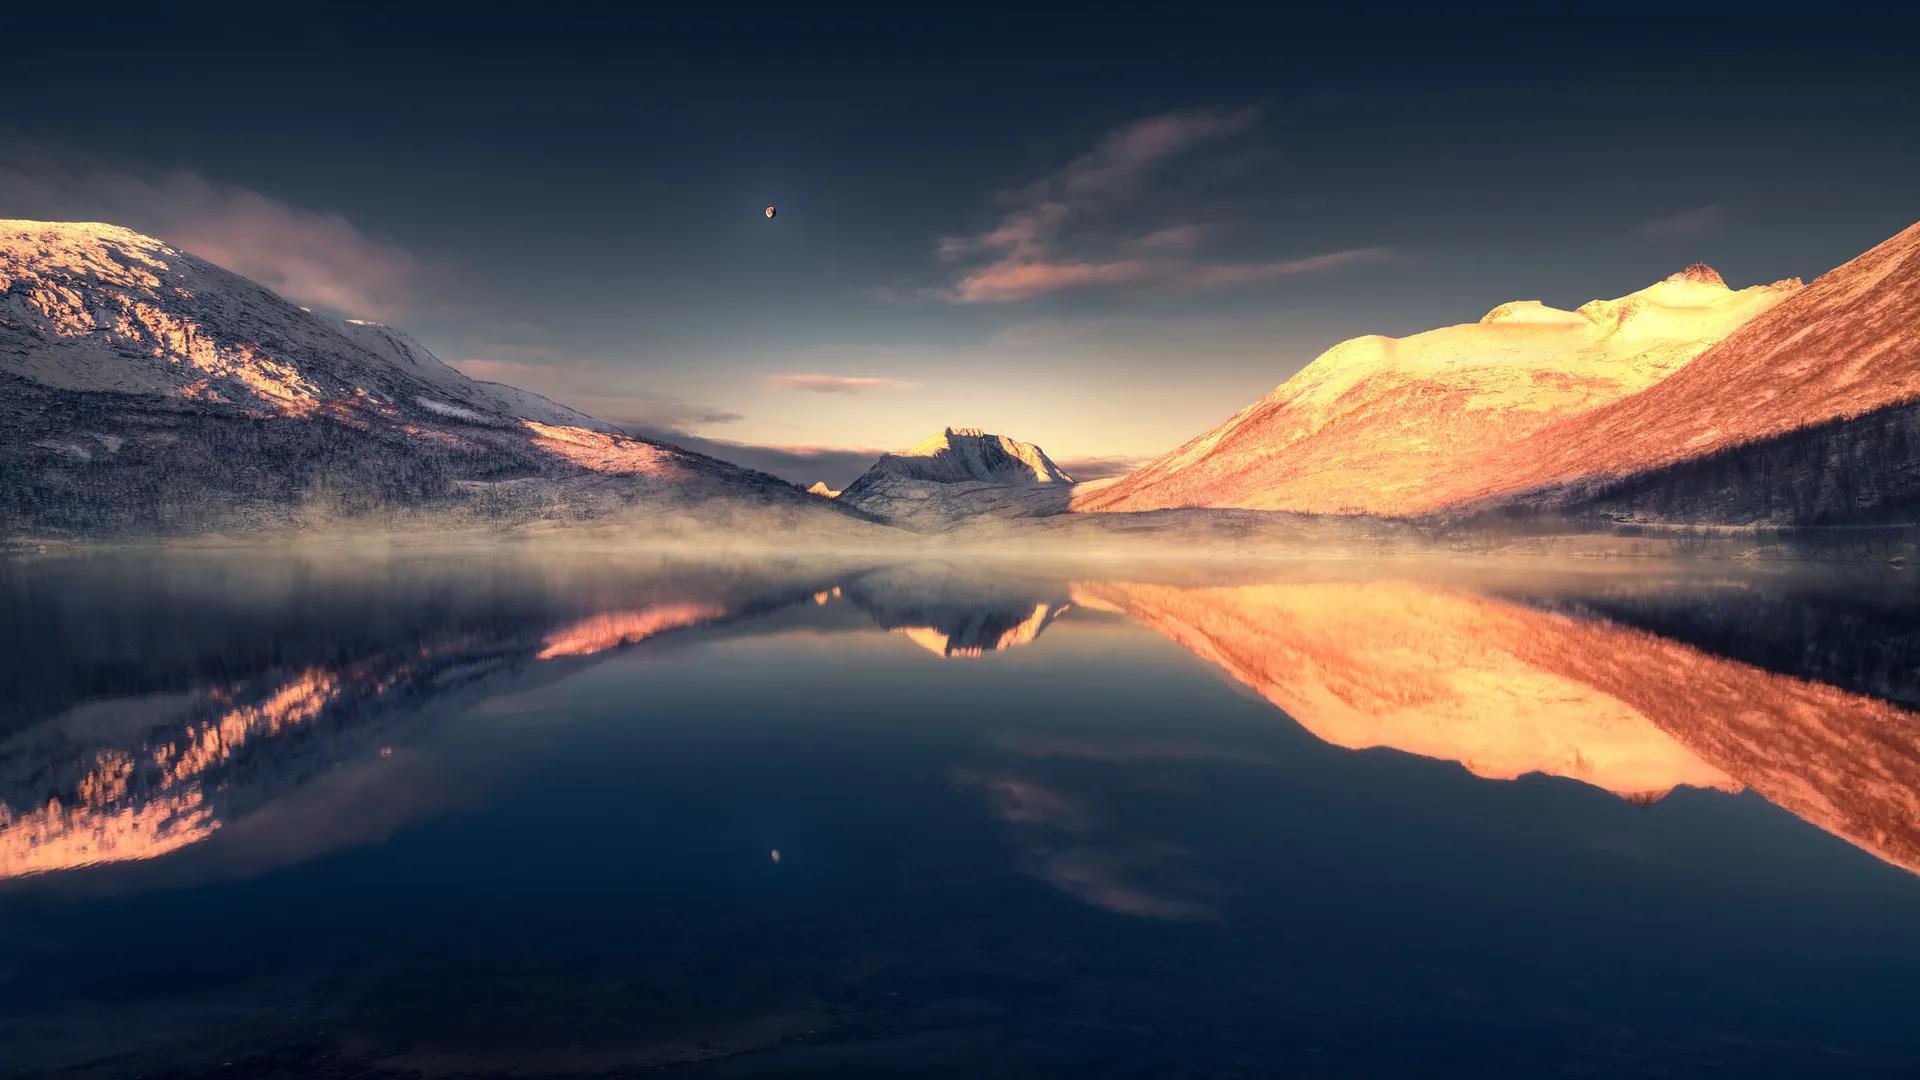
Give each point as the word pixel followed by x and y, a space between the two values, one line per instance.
pixel 144 390
pixel 1376 424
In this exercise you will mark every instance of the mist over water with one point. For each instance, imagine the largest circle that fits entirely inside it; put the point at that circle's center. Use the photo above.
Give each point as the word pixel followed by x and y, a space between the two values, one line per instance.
pixel 472 813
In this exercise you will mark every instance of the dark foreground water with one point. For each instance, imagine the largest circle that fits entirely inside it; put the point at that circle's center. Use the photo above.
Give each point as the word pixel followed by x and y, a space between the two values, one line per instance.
pixel 592 815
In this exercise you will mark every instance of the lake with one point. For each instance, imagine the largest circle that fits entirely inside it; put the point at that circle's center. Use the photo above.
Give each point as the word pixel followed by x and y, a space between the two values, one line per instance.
pixel 586 813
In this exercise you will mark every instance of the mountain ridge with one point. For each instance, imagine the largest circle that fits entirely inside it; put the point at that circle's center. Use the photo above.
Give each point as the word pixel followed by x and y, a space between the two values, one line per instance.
pixel 1374 422
pixel 958 473
pixel 151 392
pixel 1843 349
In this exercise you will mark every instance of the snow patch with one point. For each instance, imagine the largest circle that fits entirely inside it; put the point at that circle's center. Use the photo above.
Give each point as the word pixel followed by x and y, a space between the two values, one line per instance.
pixel 445 409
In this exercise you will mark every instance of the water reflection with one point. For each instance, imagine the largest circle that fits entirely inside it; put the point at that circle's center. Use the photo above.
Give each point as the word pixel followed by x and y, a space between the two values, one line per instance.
pixel 427 815
pixel 221 693
pixel 151 769
pixel 1506 689
pixel 955 614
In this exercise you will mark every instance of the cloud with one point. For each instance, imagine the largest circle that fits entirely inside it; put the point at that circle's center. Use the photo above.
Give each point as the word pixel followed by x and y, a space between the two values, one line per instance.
pixel 1211 276
pixel 1051 241
pixel 1022 234
pixel 1013 279
pixel 815 383
pixel 1126 155
pixel 595 390
pixel 1099 468
pixel 802 465
pixel 1172 238
pixel 651 410
pixel 1687 224
pixel 313 258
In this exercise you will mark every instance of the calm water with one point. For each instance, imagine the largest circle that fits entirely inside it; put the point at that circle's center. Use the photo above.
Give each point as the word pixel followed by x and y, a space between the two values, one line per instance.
pixel 457 815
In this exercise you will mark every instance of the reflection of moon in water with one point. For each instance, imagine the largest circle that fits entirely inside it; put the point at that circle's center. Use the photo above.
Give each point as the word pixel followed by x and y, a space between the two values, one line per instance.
pixel 769 211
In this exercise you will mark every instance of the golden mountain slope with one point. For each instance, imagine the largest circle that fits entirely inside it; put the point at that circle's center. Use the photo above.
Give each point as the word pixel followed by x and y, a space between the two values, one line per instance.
pixel 1846 345
pixel 1375 423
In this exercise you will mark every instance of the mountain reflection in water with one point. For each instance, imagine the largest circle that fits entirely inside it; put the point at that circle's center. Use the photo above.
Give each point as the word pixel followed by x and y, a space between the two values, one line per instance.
pixel 416 814
pixel 1437 669
pixel 1506 689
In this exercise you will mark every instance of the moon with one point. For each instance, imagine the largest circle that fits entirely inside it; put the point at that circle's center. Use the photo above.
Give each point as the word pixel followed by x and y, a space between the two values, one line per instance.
pixel 769 213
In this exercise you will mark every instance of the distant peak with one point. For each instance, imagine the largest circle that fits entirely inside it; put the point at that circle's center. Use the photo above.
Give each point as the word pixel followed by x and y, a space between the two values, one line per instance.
pixel 955 454
pixel 1702 273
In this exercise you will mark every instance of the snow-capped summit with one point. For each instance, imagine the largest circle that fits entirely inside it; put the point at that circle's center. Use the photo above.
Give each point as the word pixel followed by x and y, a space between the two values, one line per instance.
pixel 144 389
pixel 1699 272
pixel 957 454
pixel 959 472
pixel 1376 424
pixel 1807 412
pixel 95 307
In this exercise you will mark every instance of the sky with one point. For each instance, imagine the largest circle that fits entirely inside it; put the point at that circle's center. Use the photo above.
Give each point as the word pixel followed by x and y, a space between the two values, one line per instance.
pixel 1099 229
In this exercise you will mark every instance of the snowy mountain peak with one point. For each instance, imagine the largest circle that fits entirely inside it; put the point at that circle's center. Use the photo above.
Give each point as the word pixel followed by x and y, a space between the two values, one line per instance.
pixel 86 306
pixel 1375 422
pixel 1701 273
pixel 149 391
pixel 957 454
pixel 957 472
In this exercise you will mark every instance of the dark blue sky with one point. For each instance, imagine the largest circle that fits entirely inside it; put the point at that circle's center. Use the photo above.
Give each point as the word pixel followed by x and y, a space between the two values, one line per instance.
pixel 570 199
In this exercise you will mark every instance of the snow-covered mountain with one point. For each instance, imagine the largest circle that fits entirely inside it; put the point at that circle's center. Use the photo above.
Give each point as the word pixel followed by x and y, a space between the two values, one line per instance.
pixel 1684 402
pixel 959 473
pixel 144 390
pixel 1810 412
pixel 956 455
pixel 1376 424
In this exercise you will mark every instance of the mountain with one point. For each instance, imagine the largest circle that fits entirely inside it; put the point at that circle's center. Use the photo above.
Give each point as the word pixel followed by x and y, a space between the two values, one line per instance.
pixel 958 455
pixel 1808 413
pixel 821 489
pixel 958 473
pixel 145 391
pixel 1376 424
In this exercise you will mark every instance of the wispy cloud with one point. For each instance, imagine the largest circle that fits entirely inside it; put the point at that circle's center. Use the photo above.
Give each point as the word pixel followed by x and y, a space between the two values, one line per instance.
pixel 1172 238
pixel 1041 245
pixel 816 383
pixel 1687 224
pixel 316 258
pixel 597 391
pixel 1016 279
pixel 651 410
pixel 802 465
pixel 1083 469
pixel 1210 275
pixel 1128 154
